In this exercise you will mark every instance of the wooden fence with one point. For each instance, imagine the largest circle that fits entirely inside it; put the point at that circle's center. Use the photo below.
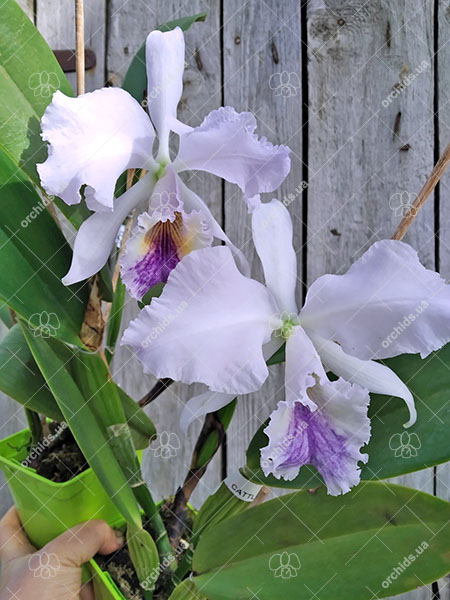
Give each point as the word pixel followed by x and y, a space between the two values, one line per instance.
pixel 358 89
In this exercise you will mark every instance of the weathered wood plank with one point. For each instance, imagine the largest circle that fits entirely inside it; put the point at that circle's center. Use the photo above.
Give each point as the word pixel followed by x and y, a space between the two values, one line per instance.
pixel 55 19
pixel 262 51
pixel 128 30
pixel 28 7
pixel 370 136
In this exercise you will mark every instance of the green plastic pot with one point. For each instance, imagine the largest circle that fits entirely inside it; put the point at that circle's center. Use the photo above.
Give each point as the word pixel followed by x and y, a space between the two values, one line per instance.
pixel 46 508
pixel 104 585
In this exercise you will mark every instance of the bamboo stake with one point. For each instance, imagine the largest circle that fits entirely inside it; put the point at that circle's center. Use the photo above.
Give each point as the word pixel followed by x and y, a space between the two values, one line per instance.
pixel 79 27
pixel 430 184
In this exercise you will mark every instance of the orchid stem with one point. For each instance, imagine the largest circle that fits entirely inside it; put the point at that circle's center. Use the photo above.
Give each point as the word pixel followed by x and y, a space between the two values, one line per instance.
pixel 79 28
pixel 160 386
pixel 430 184
pixel 35 426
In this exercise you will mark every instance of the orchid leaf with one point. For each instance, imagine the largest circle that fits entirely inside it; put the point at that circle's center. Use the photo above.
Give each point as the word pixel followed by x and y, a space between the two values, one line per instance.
pixel 87 432
pixel 29 76
pixel 35 256
pixel 342 548
pixel 393 450
pixel 114 320
pixel 20 377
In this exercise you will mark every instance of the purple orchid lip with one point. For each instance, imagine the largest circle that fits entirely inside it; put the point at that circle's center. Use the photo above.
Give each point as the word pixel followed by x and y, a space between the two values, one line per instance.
pixel 164 242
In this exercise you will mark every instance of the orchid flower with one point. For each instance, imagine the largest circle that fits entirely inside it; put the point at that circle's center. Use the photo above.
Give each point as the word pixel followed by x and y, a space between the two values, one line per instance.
pixel 211 323
pixel 95 137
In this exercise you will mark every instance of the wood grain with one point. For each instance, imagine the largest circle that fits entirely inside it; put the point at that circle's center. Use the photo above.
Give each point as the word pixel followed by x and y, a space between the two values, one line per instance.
pixel 262 50
pixel 202 93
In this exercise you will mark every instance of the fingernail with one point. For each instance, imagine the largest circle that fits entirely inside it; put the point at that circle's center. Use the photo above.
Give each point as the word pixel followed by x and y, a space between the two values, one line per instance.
pixel 120 537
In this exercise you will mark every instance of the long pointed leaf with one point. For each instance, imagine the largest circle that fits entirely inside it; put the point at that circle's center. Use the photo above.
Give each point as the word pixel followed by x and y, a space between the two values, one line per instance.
pixel 83 424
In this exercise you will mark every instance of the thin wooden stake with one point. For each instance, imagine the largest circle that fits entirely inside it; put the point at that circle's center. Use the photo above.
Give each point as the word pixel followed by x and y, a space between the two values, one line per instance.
pixel 430 184
pixel 79 32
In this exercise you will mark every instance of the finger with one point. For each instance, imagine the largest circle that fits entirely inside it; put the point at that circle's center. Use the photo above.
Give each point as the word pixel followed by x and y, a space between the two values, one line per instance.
pixel 79 544
pixel 13 541
pixel 87 591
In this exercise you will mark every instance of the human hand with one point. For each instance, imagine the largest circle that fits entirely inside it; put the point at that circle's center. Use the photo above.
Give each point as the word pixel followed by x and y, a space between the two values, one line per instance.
pixel 53 573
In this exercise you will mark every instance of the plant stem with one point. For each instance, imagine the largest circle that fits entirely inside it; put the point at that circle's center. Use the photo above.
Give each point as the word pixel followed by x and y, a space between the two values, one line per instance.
pixel 157 389
pixel 79 24
pixel 145 499
pixel 430 184
pixel 177 523
pixel 35 425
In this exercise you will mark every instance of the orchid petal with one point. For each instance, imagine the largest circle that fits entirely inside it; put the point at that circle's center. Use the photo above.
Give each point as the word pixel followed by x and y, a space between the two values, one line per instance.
pixel 303 368
pixel 321 422
pixel 225 144
pixel 164 55
pixel 156 247
pixel 93 139
pixel 272 236
pixel 97 234
pixel 167 198
pixel 208 326
pixel 329 437
pixel 199 406
pixel 385 305
pixel 377 378
pixel 194 202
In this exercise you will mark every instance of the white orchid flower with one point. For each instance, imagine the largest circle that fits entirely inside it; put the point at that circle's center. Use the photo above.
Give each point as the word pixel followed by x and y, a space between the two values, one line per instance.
pixel 95 137
pixel 211 323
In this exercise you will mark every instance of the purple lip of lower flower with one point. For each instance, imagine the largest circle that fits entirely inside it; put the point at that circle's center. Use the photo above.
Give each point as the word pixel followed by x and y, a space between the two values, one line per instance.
pixel 313 441
pixel 165 249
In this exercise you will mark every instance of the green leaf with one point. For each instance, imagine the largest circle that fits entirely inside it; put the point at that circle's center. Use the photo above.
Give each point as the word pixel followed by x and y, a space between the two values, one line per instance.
pixel 137 419
pixel 135 81
pixel 186 590
pixel 340 548
pixel 83 424
pixel 114 320
pixel 29 75
pixel 393 450
pixel 20 377
pixel 5 316
pixel 35 256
